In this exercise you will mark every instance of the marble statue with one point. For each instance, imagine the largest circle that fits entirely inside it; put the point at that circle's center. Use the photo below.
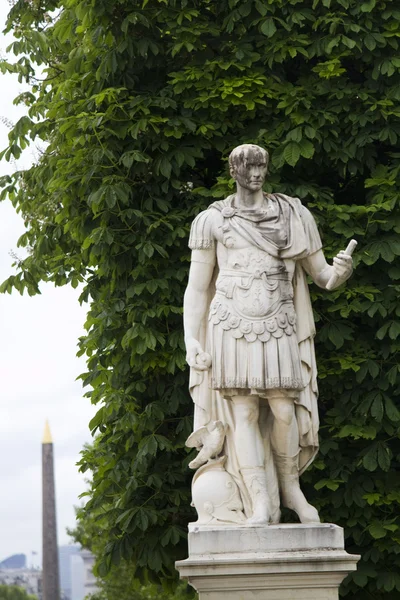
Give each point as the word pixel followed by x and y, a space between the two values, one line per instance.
pixel 249 333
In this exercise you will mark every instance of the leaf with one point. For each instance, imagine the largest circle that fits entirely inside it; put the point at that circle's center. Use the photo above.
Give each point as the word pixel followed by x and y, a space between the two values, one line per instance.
pixel 389 582
pixel 291 153
pixel 142 520
pixel 391 410
pixel 370 460
pixel 337 332
pixel 261 7
pixel 148 249
pixel 165 167
pixel 380 334
pixel 377 531
pixel 125 518
pixel 148 446
pixel 332 44
pixel 373 499
pixel 328 483
pixel 103 568
pixel 368 6
pixel 373 368
pixel 394 330
pixel 96 420
pixel 370 42
pixel 172 535
pixel 377 408
pixel 306 148
pixel 383 457
pixel 392 374
pixel 348 42
pixel 268 27
pixel 295 134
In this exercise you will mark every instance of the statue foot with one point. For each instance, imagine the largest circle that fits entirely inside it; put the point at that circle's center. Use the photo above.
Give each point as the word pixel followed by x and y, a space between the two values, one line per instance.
pixel 258 520
pixel 260 514
pixel 293 498
pixel 275 518
pixel 291 495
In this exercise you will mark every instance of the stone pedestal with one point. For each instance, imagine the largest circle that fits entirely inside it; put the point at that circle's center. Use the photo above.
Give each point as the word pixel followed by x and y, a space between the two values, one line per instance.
pixel 276 562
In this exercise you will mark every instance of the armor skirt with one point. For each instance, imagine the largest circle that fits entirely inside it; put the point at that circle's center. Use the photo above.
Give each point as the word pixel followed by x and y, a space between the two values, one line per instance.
pixel 252 356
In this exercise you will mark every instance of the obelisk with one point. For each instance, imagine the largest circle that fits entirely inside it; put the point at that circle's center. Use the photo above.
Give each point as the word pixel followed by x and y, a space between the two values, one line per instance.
pixel 50 583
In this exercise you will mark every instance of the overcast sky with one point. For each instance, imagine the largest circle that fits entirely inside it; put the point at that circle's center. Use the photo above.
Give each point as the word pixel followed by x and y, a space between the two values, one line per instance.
pixel 38 367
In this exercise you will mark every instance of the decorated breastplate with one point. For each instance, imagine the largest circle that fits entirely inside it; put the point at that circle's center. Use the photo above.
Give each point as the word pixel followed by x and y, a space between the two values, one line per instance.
pixel 254 295
pixel 255 283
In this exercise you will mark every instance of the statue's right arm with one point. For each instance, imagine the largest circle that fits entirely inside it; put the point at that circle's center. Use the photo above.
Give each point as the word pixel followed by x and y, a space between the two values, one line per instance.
pixel 196 301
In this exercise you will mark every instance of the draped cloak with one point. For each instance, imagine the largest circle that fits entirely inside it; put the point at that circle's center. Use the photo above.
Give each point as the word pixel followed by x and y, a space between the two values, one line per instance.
pixel 287 232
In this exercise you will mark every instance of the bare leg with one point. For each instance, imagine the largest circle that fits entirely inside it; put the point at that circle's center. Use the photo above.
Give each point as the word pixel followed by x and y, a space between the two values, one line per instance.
pixel 247 431
pixel 249 442
pixel 285 440
pixel 285 433
pixel 266 422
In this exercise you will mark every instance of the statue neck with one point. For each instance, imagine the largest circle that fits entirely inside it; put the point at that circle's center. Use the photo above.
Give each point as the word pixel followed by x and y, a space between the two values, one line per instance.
pixel 247 199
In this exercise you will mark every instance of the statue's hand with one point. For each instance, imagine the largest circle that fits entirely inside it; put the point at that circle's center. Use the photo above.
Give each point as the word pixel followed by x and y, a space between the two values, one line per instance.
pixel 196 357
pixel 343 265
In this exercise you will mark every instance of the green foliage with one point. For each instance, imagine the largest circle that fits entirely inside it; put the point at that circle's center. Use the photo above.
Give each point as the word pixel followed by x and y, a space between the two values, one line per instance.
pixel 13 592
pixel 121 583
pixel 140 105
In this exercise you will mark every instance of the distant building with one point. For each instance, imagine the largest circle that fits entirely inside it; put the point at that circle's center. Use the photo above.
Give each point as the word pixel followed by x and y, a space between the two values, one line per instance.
pixel 90 581
pixel 28 579
pixel 16 561
pixel 78 577
pixel 71 572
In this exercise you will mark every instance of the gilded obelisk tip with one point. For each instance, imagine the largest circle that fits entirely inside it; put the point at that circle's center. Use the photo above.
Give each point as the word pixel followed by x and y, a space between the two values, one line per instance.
pixel 47 439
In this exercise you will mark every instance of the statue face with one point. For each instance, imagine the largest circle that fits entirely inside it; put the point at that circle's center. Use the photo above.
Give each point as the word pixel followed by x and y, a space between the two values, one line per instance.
pixel 250 170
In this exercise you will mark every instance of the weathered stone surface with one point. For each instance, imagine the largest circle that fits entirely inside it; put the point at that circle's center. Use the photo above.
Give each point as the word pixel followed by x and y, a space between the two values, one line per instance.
pixel 281 562
pixel 204 540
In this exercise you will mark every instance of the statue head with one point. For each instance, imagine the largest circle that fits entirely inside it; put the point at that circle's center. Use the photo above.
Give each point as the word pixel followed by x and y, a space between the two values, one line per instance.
pixel 248 165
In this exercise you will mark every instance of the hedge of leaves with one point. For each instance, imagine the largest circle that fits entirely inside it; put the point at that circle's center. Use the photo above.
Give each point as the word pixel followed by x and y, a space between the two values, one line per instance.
pixel 140 104
pixel 14 592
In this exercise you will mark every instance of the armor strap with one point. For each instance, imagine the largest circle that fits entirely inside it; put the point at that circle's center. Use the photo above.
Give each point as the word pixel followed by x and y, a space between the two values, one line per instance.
pixel 256 274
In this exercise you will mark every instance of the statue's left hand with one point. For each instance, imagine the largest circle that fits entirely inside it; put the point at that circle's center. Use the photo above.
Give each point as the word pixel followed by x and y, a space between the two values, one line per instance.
pixel 343 265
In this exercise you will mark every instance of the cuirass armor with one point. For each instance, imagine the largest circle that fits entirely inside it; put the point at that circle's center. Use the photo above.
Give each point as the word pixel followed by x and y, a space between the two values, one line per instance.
pixel 254 295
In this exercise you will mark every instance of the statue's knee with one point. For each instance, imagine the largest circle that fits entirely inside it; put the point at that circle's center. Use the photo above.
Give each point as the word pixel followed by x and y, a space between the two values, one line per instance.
pixel 247 414
pixel 284 412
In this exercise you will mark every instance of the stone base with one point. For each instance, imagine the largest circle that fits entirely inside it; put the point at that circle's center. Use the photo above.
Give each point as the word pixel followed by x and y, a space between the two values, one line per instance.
pixel 275 562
